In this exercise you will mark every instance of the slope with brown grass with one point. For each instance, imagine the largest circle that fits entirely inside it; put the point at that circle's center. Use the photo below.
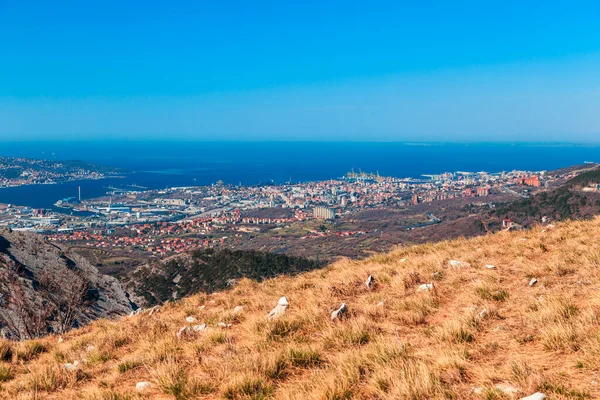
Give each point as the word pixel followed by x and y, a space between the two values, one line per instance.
pixel 479 332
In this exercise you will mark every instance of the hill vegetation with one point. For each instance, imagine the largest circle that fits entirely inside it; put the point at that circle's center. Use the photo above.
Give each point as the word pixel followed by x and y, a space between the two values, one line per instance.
pixel 208 270
pixel 530 324
pixel 565 202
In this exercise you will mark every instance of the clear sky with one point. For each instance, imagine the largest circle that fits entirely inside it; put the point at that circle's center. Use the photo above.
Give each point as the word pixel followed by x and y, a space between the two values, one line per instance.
pixel 300 70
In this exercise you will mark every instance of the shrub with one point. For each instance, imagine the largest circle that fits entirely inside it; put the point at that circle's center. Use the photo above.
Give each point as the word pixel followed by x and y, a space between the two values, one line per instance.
pixel 248 387
pixel 305 358
pixel 5 373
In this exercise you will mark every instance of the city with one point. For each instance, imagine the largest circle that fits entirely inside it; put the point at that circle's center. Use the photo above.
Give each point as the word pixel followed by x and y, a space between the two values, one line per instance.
pixel 180 219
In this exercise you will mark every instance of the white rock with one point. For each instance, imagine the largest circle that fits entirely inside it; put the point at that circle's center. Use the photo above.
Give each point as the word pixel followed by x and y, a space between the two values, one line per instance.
pixel 238 309
pixel 425 287
pixel 380 304
pixel 279 310
pixel 535 396
pixel 507 389
pixel 199 328
pixel 223 325
pixel 90 348
pixel 71 367
pixel 339 313
pixel 478 390
pixel 403 260
pixel 202 307
pixel 142 386
pixel 60 339
pixel 532 282
pixel 181 331
pixel 369 282
pixel 458 264
pixel 488 266
pixel 190 320
pixel 483 313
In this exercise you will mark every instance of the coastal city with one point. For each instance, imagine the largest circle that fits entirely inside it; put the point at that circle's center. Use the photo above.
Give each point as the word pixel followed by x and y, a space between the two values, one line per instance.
pixel 180 219
pixel 17 171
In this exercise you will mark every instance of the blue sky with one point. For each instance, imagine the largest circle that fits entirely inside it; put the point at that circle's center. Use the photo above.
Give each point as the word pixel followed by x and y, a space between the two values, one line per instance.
pixel 309 70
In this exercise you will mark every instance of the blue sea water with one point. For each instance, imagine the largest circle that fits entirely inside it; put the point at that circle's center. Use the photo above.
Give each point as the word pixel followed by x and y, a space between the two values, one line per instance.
pixel 158 164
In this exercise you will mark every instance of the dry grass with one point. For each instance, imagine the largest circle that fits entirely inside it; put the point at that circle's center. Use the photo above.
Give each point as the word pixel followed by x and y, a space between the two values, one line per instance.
pixel 478 329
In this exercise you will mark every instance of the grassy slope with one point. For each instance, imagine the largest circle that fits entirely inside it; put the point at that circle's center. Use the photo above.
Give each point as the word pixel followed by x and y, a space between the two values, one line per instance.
pixel 415 346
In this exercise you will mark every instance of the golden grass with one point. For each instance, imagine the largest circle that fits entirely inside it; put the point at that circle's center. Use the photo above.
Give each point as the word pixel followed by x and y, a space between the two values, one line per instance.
pixel 477 329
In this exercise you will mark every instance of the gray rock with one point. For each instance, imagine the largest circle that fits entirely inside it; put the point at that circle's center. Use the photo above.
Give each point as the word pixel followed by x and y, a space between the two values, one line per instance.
pixel 455 264
pixel 425 287
pixel 36 258
pixel 238 309
pixel 370 281
pixel 71 367
pixel 181 331
pixel 142 386
pixel 340 312
pixel 507 389
pixel 532 282
pixel 279 309
pixel 535 396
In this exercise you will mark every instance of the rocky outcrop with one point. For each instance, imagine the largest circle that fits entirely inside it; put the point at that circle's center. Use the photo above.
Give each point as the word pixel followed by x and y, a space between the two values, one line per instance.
pixel 60 289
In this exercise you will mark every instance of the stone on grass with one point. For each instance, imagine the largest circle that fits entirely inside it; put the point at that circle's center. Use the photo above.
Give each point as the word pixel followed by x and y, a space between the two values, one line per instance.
pixel 507 389
pixel 90 347
pixel 483 313
pixel 380 304
pixel 370 281
pixel 425 287
pixel 340 312
pixel 71 367
pixel 199 328
pixel 532 282
pixel 142 386
pixel 190 320
pixel 535 396
pixel 238 309
pixel 60 339
pixel 403 260
pixel 489 266
pixel 181 331
pixel 202 307
pixel 478 390
pixel 279 309
pixel 458 264
pixel 223 325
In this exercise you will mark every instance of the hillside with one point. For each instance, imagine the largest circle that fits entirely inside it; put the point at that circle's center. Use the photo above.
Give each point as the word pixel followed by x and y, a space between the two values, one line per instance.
pixel 45 290
pixel 568 201
pixel 478 333
pixel 206 271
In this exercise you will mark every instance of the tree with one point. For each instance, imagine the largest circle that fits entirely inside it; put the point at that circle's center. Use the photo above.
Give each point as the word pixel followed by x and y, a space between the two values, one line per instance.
pixel 22 314
pixel 64 290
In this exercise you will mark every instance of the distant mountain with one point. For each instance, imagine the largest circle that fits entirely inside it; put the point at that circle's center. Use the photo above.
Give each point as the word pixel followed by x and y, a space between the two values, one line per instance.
pixel 43 290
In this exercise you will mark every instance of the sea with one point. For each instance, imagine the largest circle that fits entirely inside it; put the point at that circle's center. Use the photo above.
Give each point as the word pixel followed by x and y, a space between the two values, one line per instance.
pixel 160 164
